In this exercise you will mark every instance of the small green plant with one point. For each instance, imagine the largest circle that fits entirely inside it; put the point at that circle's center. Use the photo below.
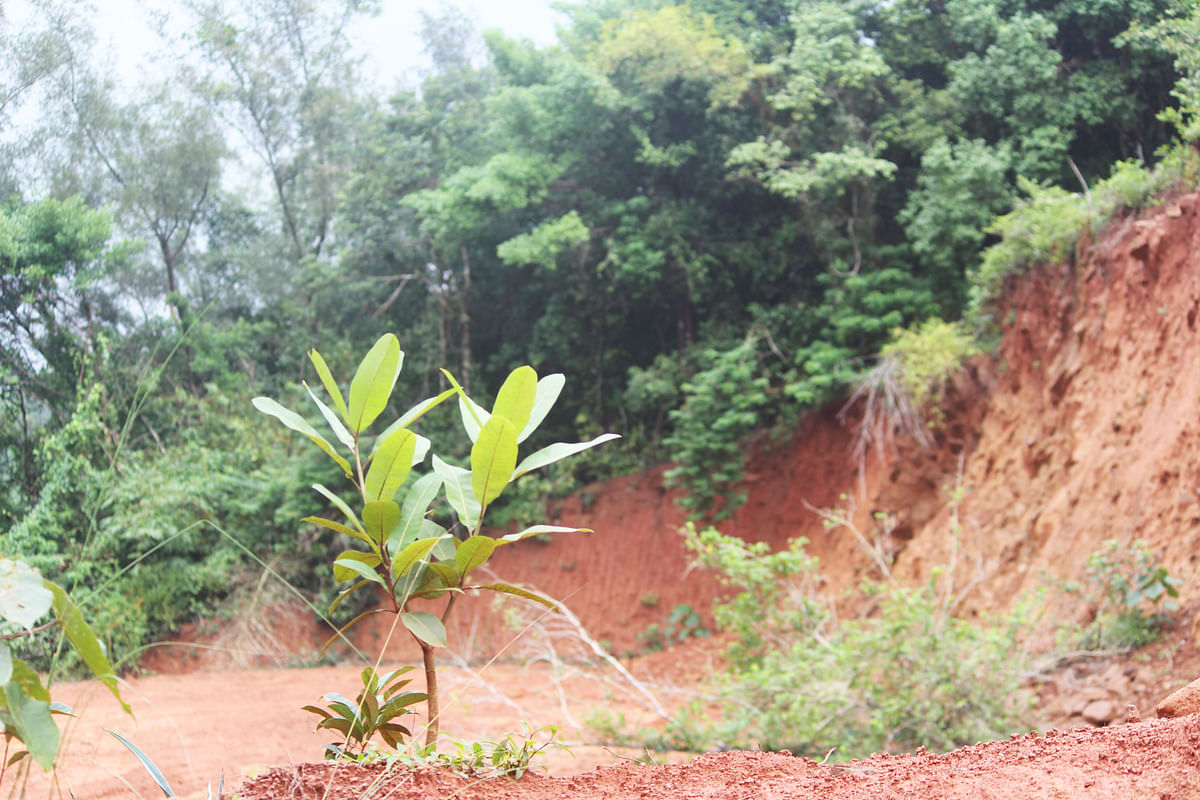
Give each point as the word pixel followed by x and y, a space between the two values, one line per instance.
pixel 400 552
pixel 26 709
pixel 682 623
pixel 1128 586
pixel 799 679
pixel 509 757
pixel 373 711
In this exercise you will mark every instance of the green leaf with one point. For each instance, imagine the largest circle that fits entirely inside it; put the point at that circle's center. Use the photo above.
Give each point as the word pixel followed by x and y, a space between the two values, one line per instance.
pixel 6 664
pixel 84 642
pixel 339 430
pixel 557 452
pixel 508 588
pixel 380 518
pixel 535 530
pixel 340 504
pixel 415 507
pixel 459 493
pixel 337 601
pixel 474 416
pixel 390 466
pixel 516 397
pixel 147 764
pixel 548 390
pixel 342 573
pixel 299 424
pixel 493 458
pixel 353 566
pixel 425 626
pixel 373 382
pixel 329 383
pixel 33 724
pixel 412 415
pixel 410 555
pixel 473 553
pixel 338 527
pixel 445 548
pixel 25 677
pixel 24 599
pixel 322 713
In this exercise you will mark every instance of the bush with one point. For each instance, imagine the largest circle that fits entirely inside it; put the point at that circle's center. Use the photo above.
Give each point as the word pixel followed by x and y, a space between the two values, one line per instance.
pixel 905 678
pixel 1127 586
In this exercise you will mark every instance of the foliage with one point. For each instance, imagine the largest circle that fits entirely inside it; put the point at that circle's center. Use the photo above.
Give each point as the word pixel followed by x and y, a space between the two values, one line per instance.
pixel 799 680
pixel 721 410
pixel 373 712
pixel 510 757
pixel 682 623
pixel 1127 586
pixel 928 354
pixel 26 709
pixel 409 556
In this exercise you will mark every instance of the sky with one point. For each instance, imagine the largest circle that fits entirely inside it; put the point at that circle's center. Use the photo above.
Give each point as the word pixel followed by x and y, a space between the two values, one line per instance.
pixel 390 43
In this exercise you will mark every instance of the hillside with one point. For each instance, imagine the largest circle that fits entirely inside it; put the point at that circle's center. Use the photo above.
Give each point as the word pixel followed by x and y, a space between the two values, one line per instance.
pixel 1082 427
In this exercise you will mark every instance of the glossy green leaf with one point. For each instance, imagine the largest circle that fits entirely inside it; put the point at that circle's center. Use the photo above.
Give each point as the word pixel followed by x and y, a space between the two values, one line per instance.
pixel 412 415
pixel 34 726
pixel 516 397
pixel 380 518
pixel 351 567
pixel 425 626
pixel 369 561
pixel 329 383
pixel 493 458
pixel 410 555
pixel 390 465
pixel 340 504
pixel 548 390
pixel 459 493
pixel 415 507
pixel 331 419
pixel 338 527
pixel 84 641
pixel 473 553
pixel 536 530
pixel 474 416
pixel 444 549
pixel 299 424
pixel 508 588
pixel 373 382
pixel 557 452
pixel 147 764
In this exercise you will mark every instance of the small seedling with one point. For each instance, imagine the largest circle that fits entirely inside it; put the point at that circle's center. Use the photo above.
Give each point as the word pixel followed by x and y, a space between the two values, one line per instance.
pixel 373 711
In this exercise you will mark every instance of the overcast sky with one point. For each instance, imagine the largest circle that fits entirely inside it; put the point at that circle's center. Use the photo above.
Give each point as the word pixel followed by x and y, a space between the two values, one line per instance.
pixel 390 40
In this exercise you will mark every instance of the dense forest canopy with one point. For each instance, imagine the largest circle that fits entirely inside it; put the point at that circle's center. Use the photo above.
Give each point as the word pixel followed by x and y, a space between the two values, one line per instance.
pixel 710 215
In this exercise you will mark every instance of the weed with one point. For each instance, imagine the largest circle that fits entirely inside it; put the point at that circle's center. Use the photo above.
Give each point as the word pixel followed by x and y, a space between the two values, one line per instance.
pixel 682 623
pixel 799 680
pixel 509 757
pixel 1127 586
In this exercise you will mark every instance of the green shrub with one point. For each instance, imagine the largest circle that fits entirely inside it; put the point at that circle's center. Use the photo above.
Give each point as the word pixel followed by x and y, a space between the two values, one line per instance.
pixel 682 623
pixel 904 678
pixel 1127 586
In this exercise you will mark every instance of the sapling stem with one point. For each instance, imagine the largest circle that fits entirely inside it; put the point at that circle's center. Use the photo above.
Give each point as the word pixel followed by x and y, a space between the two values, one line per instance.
pixel 431 692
